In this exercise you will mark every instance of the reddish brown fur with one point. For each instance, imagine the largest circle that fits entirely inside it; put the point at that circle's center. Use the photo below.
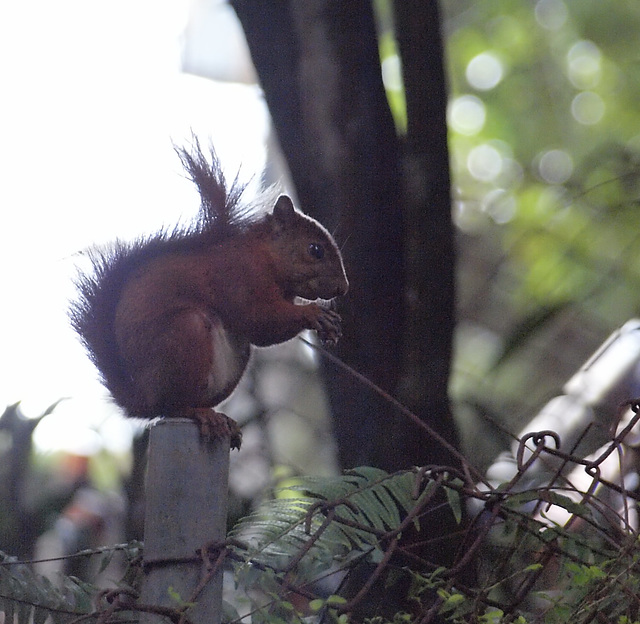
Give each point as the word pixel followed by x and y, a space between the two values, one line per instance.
pixel 169 320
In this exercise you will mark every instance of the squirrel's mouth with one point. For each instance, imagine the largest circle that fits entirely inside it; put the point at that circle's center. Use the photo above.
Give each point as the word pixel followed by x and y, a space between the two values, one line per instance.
pixel 329 304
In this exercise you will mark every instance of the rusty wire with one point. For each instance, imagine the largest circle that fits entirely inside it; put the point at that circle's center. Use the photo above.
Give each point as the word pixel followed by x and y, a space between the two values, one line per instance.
pixel 608 533
pixel 607 529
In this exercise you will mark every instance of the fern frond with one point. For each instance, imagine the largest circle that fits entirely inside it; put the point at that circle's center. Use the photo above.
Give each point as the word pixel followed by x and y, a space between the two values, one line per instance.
pixel 367 503
pixel 27 597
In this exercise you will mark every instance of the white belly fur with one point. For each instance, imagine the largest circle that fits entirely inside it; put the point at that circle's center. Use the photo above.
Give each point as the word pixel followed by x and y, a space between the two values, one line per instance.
pixel 229 359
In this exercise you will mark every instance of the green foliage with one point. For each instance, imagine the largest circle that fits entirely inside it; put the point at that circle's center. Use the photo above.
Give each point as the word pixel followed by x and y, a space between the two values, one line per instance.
pixel 310 536
pixel 29 597
pixel 545 151
pixel 570 575
pixel 291 556
pixel 530 569
pixel 367 503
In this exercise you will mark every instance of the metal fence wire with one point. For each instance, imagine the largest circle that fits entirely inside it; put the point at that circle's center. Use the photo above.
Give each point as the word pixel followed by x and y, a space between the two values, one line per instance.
pixel 551 534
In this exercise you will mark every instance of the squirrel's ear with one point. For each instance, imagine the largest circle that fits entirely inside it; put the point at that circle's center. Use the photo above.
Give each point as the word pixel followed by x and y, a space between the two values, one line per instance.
pixel 283 211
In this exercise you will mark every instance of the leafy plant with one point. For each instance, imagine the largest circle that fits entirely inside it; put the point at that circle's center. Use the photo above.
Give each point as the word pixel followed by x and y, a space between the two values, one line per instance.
pixel 307 539
pixel 365 504
pixel 29 597
pixel 290 559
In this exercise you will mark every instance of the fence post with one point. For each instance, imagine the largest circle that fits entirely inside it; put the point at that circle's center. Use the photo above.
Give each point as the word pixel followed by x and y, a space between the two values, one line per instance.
pixel 185 509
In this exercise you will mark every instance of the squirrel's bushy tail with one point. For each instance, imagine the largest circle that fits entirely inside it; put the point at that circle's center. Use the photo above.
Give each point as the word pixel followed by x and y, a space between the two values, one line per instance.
pixel 220 206
pixel 92 315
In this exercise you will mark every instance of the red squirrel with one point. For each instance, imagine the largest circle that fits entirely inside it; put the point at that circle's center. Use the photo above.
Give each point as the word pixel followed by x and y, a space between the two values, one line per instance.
pixel 169 320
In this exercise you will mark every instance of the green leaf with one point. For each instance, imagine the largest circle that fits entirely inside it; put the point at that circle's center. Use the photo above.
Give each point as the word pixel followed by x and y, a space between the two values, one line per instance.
pixel 577 509
pixel 105 560
pixel 229 612
pixel 316 605
pixel 453 498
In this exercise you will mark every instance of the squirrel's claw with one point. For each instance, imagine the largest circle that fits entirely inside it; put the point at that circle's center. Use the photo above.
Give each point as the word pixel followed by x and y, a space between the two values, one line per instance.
pixel 328 327
pixel 214 425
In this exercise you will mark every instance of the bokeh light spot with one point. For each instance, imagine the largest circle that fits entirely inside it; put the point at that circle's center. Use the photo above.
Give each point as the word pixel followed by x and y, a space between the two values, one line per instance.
pixel 392 73
pixel 551 14
pixel 499 205
pixel 484 162
pixel 484 71
pixel 555 166
pixel 467 114
pixel 587 108
pixel 584 64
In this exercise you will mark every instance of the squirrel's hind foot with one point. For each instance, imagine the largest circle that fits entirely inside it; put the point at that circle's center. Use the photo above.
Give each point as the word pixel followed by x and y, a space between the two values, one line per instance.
pixel 214 425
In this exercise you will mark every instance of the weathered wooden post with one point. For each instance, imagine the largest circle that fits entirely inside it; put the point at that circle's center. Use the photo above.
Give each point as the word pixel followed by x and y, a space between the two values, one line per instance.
pixel 185 509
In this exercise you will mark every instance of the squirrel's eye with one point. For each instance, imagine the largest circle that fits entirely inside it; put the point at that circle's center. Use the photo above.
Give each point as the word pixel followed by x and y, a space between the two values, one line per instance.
pixel 316 251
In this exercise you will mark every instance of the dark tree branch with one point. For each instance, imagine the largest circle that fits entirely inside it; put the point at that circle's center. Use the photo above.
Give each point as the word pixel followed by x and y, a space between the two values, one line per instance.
pixel 430 232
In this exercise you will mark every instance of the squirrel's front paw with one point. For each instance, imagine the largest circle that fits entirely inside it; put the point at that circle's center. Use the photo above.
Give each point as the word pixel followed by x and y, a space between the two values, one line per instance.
pixel 328 326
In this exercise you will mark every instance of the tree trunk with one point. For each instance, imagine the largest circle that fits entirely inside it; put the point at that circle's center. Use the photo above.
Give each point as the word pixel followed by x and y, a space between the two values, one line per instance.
pixel 319 67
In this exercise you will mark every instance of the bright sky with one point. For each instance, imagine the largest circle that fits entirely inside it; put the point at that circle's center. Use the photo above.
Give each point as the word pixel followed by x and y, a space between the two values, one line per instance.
pixel 92 99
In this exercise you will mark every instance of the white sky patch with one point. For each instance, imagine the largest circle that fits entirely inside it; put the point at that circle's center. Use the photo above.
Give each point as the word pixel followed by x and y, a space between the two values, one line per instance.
pixel 92 100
